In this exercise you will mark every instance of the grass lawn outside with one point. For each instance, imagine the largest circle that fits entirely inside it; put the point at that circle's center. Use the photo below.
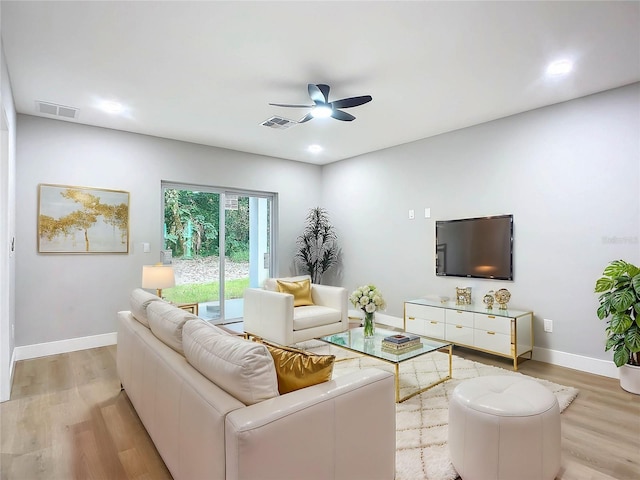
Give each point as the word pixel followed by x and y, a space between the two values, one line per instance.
pixel 205 292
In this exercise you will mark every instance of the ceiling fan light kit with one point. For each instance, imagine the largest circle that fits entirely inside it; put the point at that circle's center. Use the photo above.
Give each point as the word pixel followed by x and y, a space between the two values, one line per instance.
pixel 321 111
pixel 323 108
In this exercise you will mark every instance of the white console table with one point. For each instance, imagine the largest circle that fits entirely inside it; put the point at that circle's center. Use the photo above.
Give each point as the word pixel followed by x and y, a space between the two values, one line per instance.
pixel 508 333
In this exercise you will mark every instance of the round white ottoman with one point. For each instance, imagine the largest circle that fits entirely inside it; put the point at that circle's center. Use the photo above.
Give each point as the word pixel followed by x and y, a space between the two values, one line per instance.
pixel 504 427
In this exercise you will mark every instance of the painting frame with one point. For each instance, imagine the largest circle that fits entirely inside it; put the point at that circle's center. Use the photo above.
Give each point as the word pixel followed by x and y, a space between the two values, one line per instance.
pixel 82 220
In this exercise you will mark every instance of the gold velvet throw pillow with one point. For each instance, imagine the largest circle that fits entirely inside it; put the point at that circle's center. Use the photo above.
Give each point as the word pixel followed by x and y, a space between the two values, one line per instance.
pixel 296 369
pixel 301 291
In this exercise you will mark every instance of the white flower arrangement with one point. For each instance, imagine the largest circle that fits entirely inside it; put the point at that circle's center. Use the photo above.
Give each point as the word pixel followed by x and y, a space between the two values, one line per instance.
pixel 368 298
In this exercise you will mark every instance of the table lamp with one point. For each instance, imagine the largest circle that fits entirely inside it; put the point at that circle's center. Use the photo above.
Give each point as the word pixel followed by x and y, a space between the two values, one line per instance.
pixel 158 277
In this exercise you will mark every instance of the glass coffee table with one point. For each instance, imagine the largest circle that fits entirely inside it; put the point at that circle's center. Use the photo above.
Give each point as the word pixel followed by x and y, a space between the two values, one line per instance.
pixel 354 340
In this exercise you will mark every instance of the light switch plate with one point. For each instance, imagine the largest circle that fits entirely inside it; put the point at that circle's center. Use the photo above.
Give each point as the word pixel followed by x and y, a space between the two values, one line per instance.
pixel 412 214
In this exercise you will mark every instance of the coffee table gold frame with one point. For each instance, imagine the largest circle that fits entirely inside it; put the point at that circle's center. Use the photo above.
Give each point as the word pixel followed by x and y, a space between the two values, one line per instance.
pixel 397 363
pixel 423 389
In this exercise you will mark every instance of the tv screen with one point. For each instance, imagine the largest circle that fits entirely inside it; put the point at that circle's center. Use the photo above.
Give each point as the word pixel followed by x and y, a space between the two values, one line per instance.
pixel 475 247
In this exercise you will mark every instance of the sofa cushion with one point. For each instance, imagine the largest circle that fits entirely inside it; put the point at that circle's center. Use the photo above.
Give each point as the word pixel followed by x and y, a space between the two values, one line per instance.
pixel 166 322
pixel 242 368
pixel 272 283
pixel 314 316
pixel 301 291
pixel 203 327
pixel 297 369
pixel 139 300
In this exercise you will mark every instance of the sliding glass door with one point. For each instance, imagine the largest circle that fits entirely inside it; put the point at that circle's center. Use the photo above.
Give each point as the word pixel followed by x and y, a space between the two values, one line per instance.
pixel 220 243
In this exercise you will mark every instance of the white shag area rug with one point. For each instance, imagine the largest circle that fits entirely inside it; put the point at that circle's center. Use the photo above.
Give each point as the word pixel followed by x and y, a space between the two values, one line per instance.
pixel 422 421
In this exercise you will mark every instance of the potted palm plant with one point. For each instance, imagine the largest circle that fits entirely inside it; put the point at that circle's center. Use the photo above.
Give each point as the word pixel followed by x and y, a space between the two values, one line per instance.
pixel 619 289
pixel 318 245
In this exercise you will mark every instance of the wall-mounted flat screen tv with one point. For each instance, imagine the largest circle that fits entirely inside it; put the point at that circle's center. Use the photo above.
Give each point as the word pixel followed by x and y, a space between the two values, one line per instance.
pixel 475 247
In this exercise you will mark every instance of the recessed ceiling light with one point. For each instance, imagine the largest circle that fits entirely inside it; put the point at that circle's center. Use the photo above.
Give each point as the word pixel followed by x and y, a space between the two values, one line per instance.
pixel 315 148
pixel 321 111
pixel 111 106
pixel 560 67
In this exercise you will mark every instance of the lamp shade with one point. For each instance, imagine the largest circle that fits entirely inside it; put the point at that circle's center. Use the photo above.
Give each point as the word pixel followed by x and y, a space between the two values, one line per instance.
pixel 158 277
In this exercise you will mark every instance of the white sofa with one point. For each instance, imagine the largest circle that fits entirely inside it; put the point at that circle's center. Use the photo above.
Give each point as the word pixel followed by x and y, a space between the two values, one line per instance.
pixel 340 429
pixel 270 314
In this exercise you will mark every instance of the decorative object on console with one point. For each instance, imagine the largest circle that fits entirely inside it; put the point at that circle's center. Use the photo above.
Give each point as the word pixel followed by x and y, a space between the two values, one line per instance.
pixel 488 299
pixel 158 276
pixel 502 297
pixel 463 296
pixel 317 246
pixel 368 299
pixel 619 301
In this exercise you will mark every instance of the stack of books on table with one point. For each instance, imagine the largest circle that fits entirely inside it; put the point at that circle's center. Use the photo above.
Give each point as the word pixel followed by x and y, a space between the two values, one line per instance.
pixel 401 343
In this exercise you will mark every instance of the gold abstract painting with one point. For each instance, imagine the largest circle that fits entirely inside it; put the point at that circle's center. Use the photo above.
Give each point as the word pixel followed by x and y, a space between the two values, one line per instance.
pixel 82 220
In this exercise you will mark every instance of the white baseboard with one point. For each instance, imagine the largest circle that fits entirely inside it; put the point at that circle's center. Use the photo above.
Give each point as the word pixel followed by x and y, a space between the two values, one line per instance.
pixel 12 366
pixel 64 346
pixel 389 320
pixel 596 366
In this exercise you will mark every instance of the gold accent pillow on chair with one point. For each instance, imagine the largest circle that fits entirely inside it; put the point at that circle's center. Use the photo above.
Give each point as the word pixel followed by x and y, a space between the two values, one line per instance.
pixel 296 369
pixel 301 291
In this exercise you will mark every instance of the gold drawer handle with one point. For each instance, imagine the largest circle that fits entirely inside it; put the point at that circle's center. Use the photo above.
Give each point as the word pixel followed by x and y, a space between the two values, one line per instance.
pixel 491 316
pixel 434 323
pixel 458 311
pixel 412 318
pixel 458 326
pixel 491 333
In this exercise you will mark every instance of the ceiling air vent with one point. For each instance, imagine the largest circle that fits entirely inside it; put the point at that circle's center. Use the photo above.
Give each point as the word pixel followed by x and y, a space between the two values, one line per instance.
pixel 55 109
pixel 279 123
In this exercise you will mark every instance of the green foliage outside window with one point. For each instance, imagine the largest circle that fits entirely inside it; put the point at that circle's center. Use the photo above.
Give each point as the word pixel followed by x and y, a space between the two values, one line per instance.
pixel 191 225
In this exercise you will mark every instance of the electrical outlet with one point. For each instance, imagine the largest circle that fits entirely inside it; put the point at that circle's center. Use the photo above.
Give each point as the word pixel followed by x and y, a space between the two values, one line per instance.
pixel 548 325
pixel 412 214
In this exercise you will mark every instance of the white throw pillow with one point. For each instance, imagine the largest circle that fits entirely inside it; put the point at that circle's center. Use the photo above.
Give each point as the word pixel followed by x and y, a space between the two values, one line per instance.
pixel 139 300
pixel 166 322
pixel 271 284
pixel 242 368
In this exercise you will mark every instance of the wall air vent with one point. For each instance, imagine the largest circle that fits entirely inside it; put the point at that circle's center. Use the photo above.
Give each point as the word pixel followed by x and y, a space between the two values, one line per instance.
pixel 49 108
pixel 279 123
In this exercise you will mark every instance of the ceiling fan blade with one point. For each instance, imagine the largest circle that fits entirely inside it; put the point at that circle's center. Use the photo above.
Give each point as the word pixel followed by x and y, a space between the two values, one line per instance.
pixel 295 106
pixel 325 91
pixel 351 102
pixel 344 116
pixel 317 94
pixel 306 118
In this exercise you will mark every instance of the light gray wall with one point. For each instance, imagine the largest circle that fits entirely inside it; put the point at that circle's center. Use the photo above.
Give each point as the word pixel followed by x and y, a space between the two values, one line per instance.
pixel 570 175
pixel 7 227
pixel 61 297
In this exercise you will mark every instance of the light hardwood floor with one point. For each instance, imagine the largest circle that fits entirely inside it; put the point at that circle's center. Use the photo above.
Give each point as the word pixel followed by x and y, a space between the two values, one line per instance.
pixel 68 419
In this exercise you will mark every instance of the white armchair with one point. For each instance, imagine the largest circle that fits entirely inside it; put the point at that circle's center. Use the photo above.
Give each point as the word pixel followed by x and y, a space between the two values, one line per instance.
pixel 270 314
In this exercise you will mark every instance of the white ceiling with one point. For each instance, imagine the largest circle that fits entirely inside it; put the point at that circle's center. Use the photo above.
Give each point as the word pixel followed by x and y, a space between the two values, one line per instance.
pixel 205 72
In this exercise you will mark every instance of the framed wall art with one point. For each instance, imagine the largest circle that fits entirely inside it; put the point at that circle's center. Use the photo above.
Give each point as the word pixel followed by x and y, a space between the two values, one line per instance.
pixel 82 220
